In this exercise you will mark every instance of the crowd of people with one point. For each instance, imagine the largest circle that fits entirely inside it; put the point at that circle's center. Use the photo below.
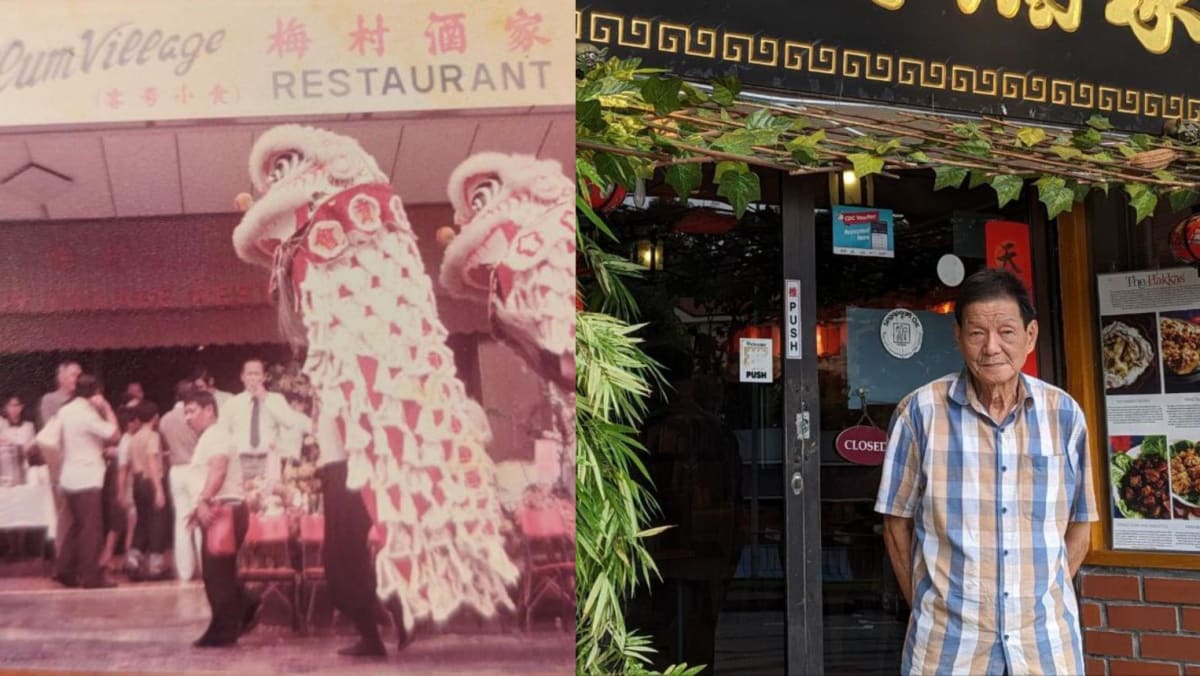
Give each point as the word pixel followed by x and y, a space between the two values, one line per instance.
pixel 141 492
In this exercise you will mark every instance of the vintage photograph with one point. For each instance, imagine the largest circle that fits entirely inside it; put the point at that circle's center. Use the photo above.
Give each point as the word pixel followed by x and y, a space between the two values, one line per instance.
pixel 287 338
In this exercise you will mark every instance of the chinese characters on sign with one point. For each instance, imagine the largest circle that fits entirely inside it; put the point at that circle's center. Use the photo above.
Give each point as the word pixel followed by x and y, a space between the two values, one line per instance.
pixel 446 33
pixel 1152 21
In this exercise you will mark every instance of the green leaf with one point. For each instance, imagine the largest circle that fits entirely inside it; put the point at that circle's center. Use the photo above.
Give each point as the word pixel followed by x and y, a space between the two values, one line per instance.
pixel 806 155
pixel 727 166
pixel 1086 138
pixel 800 123
pixel 1080 190
pixel 1126 150
pixel 865 164
pixel 1142 141
pixel 1100 157
pixel 1164 175
pixel 886 148
pixel 804 148
pixel 616 169
pixel 968 130
pixel 1054 193
pixel 1143 200
pixel 1182 198
pixel 760 119
pixel 662 93
pixel 725 90
pixel 918 156
pixel 684 178
pixel 738 142
pixel 1099 122
pixel 948 177
pixel 1066 152
pixel 1007 187
pixel 1031 136
pixel 978 147
pixel 740 187
pixel 977 178
pixel 589 114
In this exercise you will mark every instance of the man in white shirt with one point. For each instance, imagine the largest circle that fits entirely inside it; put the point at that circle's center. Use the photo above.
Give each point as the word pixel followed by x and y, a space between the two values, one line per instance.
pixel 88 424
pixel 181 444
pixel 259 421
pixel 66 377
pixel 218 496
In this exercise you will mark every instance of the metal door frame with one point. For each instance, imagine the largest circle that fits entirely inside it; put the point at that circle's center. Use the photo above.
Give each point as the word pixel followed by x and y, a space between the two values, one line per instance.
pixel 802 425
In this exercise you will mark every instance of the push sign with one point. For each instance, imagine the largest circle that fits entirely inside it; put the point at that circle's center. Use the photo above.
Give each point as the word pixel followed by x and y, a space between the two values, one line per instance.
pixel 755 360
pixel 791 306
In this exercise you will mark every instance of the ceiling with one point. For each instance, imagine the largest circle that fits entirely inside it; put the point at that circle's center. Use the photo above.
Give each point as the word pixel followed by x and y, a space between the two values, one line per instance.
pixel 157 169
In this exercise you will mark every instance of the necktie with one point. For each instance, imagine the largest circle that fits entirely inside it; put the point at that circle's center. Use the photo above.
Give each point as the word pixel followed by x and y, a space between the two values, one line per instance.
pixel 254 423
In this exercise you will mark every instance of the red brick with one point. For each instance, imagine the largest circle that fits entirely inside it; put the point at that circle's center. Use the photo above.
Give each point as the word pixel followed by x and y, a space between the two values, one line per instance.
pixel 1093 667
pixel 1091 615
pixel 1182 648
pixel 1192 670
pixel 1172 591
pixel 1125 668
pixel 1143 618
pixel 1142 668
pixel 1191 619
pixel 1108 643
pixel 1117 587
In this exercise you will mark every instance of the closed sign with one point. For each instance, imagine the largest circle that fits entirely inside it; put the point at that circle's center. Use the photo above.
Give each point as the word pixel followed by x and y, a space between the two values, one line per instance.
pixel 862 445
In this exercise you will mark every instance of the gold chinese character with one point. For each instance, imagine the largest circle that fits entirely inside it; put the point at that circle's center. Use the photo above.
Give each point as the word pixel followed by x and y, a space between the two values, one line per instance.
pixel 1042 13
pixel 1153 21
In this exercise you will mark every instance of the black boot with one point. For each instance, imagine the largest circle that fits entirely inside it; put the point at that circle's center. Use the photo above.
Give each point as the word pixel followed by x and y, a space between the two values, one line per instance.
pixel 397 611
pixel 370 644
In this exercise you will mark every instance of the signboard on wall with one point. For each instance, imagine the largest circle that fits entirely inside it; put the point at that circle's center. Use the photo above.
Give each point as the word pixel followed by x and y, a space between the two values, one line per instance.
pixel 1058 61
pixel 106 61
pixel 1150 340
pixel 859 231
pixel 755 360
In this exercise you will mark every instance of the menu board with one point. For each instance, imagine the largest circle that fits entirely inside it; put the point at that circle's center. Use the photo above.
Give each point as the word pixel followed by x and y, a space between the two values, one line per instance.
pixel 1150 338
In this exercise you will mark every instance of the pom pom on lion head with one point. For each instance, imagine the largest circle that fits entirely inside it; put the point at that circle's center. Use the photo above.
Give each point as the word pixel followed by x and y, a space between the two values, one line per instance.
pixel 294 169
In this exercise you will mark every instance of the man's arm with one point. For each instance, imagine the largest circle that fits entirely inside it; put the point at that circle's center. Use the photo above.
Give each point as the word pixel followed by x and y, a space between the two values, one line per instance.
pixel 217 467
pixel 1079 540
pixel 285 415
pixel 897 536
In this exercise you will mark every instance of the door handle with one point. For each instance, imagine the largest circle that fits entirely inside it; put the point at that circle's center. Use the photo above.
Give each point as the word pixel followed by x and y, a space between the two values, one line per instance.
pixel 797 483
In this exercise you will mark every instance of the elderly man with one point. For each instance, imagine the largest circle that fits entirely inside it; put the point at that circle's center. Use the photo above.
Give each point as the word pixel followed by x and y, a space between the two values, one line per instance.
pixel 181 443
pixel 259 422
pixel 986 494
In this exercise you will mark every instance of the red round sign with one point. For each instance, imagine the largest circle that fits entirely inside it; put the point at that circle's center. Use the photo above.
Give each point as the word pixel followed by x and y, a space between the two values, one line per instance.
pixel 862 445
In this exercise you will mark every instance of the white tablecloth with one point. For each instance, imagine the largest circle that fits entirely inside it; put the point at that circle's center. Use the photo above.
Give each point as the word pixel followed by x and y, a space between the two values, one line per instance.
pixel 30 505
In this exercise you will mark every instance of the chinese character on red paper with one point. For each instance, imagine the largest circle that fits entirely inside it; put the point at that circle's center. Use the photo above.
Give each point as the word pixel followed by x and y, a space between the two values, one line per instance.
pixel 218 94
pixel 523 31
pixel 150 96
pixel 369 36
pixel 112 98
pixel 289 37
pixel 184 95
pixel 446 33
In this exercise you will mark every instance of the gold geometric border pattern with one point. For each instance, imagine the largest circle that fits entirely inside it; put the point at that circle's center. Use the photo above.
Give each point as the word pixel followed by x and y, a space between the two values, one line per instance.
pixel 667 37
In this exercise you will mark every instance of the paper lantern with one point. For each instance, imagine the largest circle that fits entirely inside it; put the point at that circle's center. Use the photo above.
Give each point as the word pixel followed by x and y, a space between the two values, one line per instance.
pixel 1185 240
pixel 608 199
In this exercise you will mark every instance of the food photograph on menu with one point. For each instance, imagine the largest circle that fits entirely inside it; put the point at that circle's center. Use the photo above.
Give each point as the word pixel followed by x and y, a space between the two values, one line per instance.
pixel 1130 354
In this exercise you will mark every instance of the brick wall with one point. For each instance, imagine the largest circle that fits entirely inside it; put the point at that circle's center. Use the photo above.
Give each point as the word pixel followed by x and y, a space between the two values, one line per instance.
pixel 1140 622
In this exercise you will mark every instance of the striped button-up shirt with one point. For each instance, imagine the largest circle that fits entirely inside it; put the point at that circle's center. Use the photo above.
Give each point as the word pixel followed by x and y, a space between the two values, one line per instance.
pixel 990 502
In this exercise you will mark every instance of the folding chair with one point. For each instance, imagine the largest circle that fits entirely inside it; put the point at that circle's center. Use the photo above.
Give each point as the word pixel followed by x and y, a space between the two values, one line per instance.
pixel 266 558
pixel 549 543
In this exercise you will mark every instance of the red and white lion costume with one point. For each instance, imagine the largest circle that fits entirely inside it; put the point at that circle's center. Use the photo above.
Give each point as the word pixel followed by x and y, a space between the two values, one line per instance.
pixel 353 288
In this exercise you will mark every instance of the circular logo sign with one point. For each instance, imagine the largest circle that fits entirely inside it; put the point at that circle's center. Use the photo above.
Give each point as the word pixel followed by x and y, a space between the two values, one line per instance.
pixel 862 445
pixel 901 333
pixel 950 270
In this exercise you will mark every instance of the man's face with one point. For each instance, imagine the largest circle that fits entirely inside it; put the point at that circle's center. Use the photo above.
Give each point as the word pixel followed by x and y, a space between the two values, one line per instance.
pixel 994 340
pixel 12 409
pixel 68 377
pixel 252 376
pixel 202 385
pixel 135 391
pixel 198 417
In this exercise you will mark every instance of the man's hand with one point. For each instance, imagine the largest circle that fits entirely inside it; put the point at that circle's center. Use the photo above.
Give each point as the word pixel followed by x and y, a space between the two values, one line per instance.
pixel 1079 541
pixel 202 515
pixel 897 536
